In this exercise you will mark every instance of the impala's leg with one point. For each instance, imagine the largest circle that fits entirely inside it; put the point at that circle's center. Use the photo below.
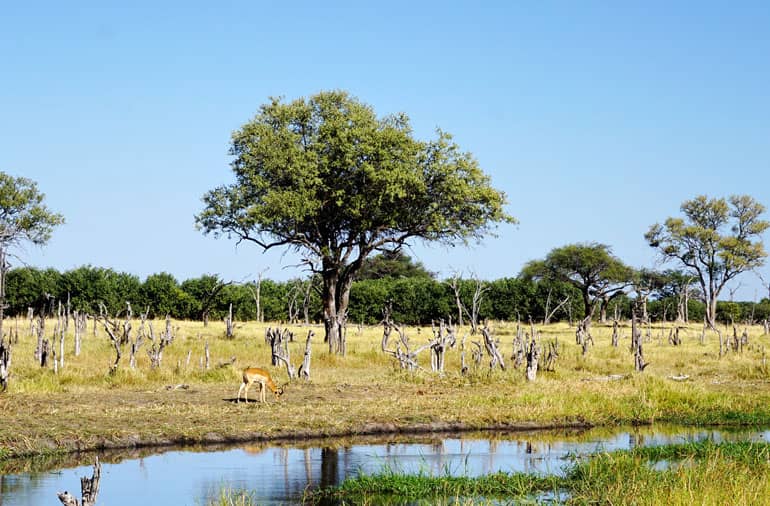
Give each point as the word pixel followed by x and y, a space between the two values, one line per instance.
pixel 239 392
pixel 262 389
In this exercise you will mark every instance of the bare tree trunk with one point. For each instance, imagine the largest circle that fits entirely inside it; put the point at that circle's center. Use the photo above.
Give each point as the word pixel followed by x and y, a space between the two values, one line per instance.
pixel 279 347
pixel 89 489
pixel 260 316
pixel 304 369
pixel 615 333
pixel 31 318
pixel 60 330
pixel 519 347
pixel 306 301
pixel 4 267
pixel 45 351
pixel 533 355
pixel 636 345
pixel 40 336
pixel 454 283
pixel 111 327
pixel 229 323
pixel 549 315
pixel 443 337
pixel 492 350
pixel 5 363
pixel 78 331
pixel 68 314
pixel 603 310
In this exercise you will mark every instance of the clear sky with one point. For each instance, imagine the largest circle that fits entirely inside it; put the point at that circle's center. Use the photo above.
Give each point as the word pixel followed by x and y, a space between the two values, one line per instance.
pixel 596 118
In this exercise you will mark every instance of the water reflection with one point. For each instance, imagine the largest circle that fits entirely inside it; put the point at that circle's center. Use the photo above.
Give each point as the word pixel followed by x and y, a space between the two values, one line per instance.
pixel 281 474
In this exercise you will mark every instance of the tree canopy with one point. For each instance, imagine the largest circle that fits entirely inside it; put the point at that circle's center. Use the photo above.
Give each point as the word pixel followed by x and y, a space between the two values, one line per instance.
pixel 23 219
pixel 328 178
pixel 392 264
pixel 716 241
pixel 591 268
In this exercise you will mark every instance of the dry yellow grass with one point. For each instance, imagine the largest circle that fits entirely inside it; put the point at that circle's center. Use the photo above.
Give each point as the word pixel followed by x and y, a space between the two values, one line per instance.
pixel 85 406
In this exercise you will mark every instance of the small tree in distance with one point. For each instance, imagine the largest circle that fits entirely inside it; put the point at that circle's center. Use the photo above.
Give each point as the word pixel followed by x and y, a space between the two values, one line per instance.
pixel 591 268
pixel 327 178
pixel 716 241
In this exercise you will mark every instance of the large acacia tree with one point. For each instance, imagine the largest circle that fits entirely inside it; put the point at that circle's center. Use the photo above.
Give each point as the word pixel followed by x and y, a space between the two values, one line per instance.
pixel 716 241
pixel 591 268
pixel 327 177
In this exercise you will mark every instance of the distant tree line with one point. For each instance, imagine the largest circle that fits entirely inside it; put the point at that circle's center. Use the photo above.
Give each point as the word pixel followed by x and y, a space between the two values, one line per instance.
pixel 414 295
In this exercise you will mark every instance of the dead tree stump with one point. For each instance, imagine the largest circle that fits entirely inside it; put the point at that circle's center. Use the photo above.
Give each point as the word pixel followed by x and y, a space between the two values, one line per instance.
pixel 615 334
pixel 5 363
pixel 636 346
pixel 673 337
pixel 583 334
pixel 519 347
pixel 304 369
pixel 111 328
pixel 45 352
pixel 279 346
pixel 89 489
pixel 551 356
pixel 491 347
pixel 40 328
pixel 533 355
pixel 229 323
pixel 443 337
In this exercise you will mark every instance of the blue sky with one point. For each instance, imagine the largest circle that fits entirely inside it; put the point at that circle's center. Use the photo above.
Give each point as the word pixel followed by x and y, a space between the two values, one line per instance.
pixel 596 118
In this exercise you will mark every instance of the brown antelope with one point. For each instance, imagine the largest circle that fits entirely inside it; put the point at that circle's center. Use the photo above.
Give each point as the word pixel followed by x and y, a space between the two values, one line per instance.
pixel 256 375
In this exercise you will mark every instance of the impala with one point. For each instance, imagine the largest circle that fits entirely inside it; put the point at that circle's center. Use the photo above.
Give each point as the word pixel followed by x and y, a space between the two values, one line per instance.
pixel 256 375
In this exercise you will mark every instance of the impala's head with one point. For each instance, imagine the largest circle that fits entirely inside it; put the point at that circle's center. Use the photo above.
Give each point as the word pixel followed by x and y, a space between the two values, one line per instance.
pixel 278 392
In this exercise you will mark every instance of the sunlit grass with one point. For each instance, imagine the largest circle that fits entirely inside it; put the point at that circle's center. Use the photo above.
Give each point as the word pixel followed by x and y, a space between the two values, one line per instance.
pixel 702 473
pixel 85 405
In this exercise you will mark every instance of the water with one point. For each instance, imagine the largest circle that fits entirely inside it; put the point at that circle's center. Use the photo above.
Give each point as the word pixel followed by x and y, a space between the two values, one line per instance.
pixel 280 474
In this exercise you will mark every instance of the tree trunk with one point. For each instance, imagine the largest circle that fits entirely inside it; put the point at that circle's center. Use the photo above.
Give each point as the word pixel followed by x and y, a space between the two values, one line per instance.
pixel 5 363
pixel 711 311
pixel 333 319
pixel 603 310
pixel 335 296
pixel 3 270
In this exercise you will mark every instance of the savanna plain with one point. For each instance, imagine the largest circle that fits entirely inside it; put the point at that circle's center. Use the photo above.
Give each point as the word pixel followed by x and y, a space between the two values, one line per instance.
pixel 85 405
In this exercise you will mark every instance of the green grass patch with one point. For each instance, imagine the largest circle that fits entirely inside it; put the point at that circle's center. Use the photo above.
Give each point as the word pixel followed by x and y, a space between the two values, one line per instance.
pixel 704 473
pixel 390 487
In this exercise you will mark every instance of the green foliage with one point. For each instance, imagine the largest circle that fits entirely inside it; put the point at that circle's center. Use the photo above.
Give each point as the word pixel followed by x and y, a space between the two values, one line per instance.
pixel 591 268
pixel 206 296
pixel 328 178
pixel 23 219
pixel 88 286
pixel 392 264
pixel 715 241
pixel 414 300
pixel 163 295
pixel 23 216
pixel 329 160
pixel 29 287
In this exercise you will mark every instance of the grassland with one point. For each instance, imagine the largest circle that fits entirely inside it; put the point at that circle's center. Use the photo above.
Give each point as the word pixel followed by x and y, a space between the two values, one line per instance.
pixel 84 406
pixel 697 473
